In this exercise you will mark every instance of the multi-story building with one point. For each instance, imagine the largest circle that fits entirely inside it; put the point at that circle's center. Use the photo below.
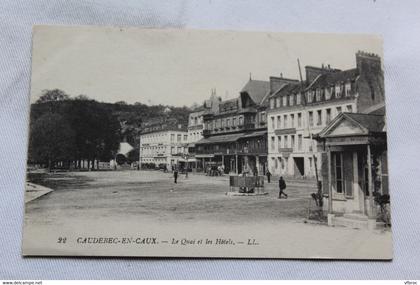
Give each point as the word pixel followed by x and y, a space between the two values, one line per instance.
pixel 196 126
pixel 235 136
pixel 163 144
pixel 297 111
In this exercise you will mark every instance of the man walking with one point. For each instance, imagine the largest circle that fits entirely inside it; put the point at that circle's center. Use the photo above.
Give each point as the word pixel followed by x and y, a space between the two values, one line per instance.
pixel 268 176
pixel 175 175
pixel 282 186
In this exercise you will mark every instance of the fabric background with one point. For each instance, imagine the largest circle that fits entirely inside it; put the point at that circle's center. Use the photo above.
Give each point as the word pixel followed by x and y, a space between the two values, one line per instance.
pixel 397 21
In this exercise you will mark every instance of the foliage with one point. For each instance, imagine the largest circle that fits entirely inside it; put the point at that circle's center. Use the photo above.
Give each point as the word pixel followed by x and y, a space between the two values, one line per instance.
pixel 63 128
pixel 51 139
pixel 52 96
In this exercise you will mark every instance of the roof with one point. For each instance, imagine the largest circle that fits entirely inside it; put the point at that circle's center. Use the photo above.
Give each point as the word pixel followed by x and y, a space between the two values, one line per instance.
pixel 125 148
pixel 373 123
pixel 369 123
pixel 287 89
pixel 378 109
pixel 221 138
pixel 330 78
pixel 257 90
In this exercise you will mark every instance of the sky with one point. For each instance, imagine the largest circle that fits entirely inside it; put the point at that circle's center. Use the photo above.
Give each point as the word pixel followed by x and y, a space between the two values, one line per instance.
pixel 177 67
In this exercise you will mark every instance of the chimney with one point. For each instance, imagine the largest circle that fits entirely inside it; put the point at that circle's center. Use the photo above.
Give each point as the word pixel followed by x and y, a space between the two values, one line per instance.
pixel 312 72
pixel 368 62
pixel 278 82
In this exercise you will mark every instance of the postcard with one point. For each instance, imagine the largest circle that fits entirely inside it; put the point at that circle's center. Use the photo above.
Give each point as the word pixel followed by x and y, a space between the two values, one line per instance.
pixel 206 144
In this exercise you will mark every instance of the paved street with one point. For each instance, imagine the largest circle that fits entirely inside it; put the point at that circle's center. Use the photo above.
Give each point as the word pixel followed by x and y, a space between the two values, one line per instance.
pixel 152 194
pixel 134 203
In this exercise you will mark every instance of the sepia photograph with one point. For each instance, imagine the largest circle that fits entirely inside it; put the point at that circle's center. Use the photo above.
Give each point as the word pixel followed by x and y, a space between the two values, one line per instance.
pixel 206 144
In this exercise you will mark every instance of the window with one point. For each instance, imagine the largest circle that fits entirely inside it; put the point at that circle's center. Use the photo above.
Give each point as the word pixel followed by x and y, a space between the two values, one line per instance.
pixel 298 99
pixel 278 122
pixel 172 150
pixel 263 117
pixel 299 142
pixel 284 101
pixel 185 137
pixel 172 137
pixel 319 121
pixel 349 108
pixel 272 103
pixel 234 121
pixel 347 89
pixel 292 120
pixel 273 142
pixel 292 141
pixel 310 96
pixel 299 120
pixel 311 118
pixel 223 123
pixel 338 163
pixel 278 102
pixel 227 122
pixel 327 93
pixel 338 110
pixel 278 143
pixel 328 115
pixel 318 95
pixel 178 138
pixel 291 100
pixel 241 120
pixel 286 141
pixel 338 91
pixel 276 163
pixel 285 121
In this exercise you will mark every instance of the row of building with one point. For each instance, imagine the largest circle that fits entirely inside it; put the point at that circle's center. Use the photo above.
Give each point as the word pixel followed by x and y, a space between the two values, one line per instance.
pixel 330 126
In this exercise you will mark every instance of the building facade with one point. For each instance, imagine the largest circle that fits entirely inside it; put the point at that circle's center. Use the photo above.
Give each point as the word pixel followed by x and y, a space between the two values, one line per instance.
pixel 235 136
pixel 163 144
pixel 297 111
pixel 354 167
pixel 196 127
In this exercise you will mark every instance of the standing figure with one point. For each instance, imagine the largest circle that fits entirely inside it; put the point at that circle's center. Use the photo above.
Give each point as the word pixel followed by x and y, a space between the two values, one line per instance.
pixel 175 175
pixel 268 176
pixel 282 186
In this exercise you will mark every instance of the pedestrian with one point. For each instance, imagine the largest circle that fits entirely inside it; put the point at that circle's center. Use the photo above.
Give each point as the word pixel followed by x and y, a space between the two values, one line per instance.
pixel 282 186
pixel 175 175
pixel 268 176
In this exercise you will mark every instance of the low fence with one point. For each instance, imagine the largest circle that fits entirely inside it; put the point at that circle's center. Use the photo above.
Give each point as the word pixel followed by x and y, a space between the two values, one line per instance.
pixel 246 184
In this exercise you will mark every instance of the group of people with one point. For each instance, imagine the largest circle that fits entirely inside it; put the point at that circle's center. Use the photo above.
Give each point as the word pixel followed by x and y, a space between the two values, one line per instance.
pixel 282 185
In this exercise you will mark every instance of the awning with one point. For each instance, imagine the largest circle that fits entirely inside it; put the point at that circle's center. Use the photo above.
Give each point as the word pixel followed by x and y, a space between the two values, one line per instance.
pixel 204 155
pixel 219 139
pixel 255 134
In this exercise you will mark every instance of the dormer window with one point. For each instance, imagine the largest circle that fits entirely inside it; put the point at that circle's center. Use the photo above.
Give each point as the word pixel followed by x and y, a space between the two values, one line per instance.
pixel 318 94
pixel 338 90
pixel 278 102
pixel 347 89
pixel 284 101
pixel 327 93
pixel 291 100
pixel 272 103
pixel 310 96
pixel 298 99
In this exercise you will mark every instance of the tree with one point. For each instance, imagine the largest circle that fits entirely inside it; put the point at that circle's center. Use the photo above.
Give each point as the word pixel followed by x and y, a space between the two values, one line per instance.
pixel 82 97
pixel 53 96
pixel 51 140
pixel 97 130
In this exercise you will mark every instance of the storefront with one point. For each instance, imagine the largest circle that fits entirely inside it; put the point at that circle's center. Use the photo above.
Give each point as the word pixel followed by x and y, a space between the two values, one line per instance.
pixel 354 166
